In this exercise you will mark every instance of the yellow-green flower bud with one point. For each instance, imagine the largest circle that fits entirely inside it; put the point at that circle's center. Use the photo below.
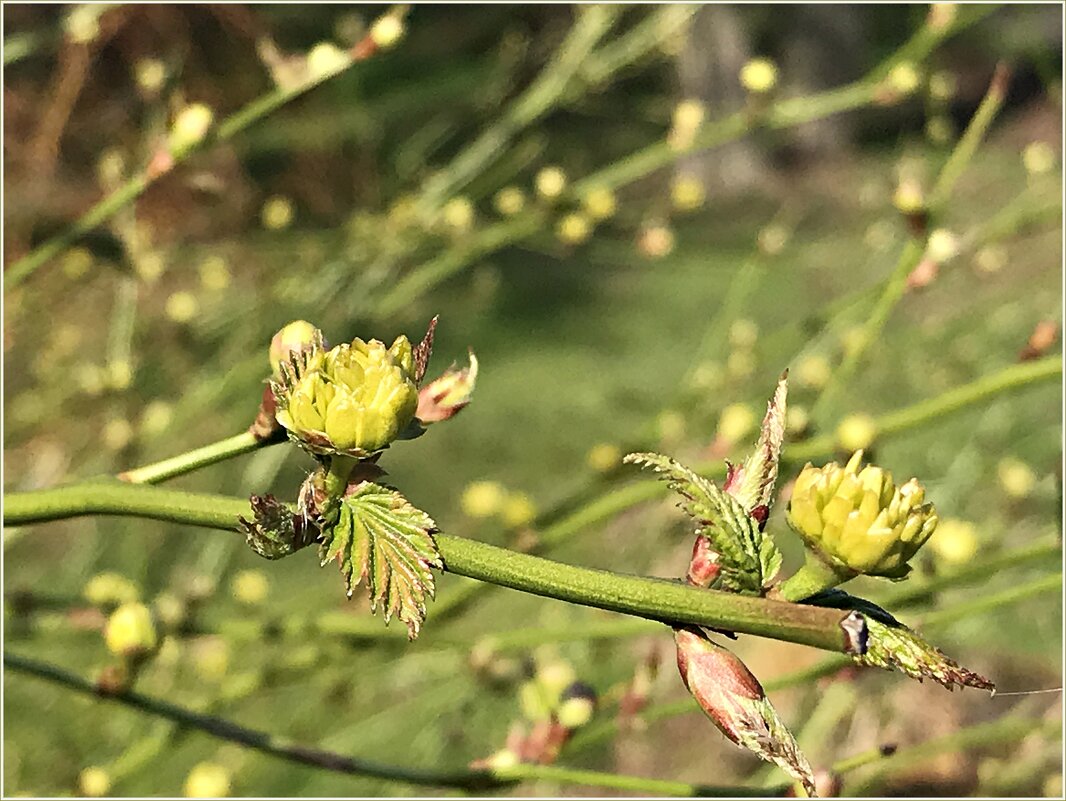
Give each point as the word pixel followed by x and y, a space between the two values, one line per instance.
pixel 296 336
pixel 577 705
pixel 509 201
pixel 856 432
pixel 207 780
pixel 955 541
pixel 190 126
pixel 482 499
pixel 518 510
pixel 354 399
pixel 604 457
pixel 131 632
pixel 110 589
pixel 858 520
pixel 94 782
pixel 550 182
pixel 600 203
pixel 759 75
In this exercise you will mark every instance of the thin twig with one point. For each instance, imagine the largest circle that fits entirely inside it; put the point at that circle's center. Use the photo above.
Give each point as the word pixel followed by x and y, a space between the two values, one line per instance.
pixel 462 778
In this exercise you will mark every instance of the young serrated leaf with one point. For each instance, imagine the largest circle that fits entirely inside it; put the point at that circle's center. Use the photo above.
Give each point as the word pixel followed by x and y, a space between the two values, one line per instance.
pixel 752 483
pixel 894 646
pixel 381 538
pixel 748 558
pixel 891 645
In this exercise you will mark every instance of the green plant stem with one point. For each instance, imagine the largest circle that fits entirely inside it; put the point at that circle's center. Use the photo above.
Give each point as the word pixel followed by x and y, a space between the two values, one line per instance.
pixel 896 286
pixel 812 578
pixel 647 160
pixel 598 732
pixel 462 778
pixel 990 603
pixel 1007 380
pixel 644 597
pixel 183 463
pixel 917 592
pixel 546 91
pixel 963 152
pixel 136 185
pixel 999 732
pixel 616 500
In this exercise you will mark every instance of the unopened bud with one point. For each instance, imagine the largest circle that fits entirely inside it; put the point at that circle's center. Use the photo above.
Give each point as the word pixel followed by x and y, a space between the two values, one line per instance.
pixel 518 510
pixel 733 699
pixel 448 395
pixel 509 201
pixel 1038 158
pixel 600 203
pixel 550 182
pixel 735 422
pixel 482 499
pixel 1016 477
pixel 954 541
pixel 574 228
pixel 326 59
pixel 387 30
pixel 190 127
pixel 131 632
pixel 577 705
pixel 110 590
pixel 656 241
pixel 277 213
pixel 687 193
pixel 94 782
pixel 207 780
pixel 856 432
pixel 759 75
pixel 297 336
pixel 458 214
pixel 604 457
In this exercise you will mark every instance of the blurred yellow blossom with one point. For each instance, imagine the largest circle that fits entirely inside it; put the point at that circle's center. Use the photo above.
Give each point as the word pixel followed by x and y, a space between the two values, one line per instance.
pixel 954 541
pixel 482 499
pixel 759 75
pixel 604 457
pixel 1015 477
pixel 856 432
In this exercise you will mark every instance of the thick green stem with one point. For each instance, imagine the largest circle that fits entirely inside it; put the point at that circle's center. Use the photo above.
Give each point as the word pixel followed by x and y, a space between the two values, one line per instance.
pixel 462 778
pixel 598 732
pixel 193 460
pixel 812 578
pixel 655 599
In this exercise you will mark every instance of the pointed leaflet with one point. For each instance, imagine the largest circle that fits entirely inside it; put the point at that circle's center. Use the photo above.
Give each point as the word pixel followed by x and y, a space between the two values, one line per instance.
pixel 895 646
pixel 752 483
pixel 748 557
pixel 892 645
pixel 381 538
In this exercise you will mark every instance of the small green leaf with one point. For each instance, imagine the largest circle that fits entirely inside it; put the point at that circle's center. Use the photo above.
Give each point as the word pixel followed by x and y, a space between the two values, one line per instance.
pixel 381 538
pixel 752 484
pixel 749 558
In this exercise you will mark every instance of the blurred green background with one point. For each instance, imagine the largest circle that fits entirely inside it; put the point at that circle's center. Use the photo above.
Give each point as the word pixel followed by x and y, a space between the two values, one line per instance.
pixel 150 339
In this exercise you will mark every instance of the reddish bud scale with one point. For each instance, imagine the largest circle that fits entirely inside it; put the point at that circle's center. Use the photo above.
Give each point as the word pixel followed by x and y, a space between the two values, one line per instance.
pixel 703 568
